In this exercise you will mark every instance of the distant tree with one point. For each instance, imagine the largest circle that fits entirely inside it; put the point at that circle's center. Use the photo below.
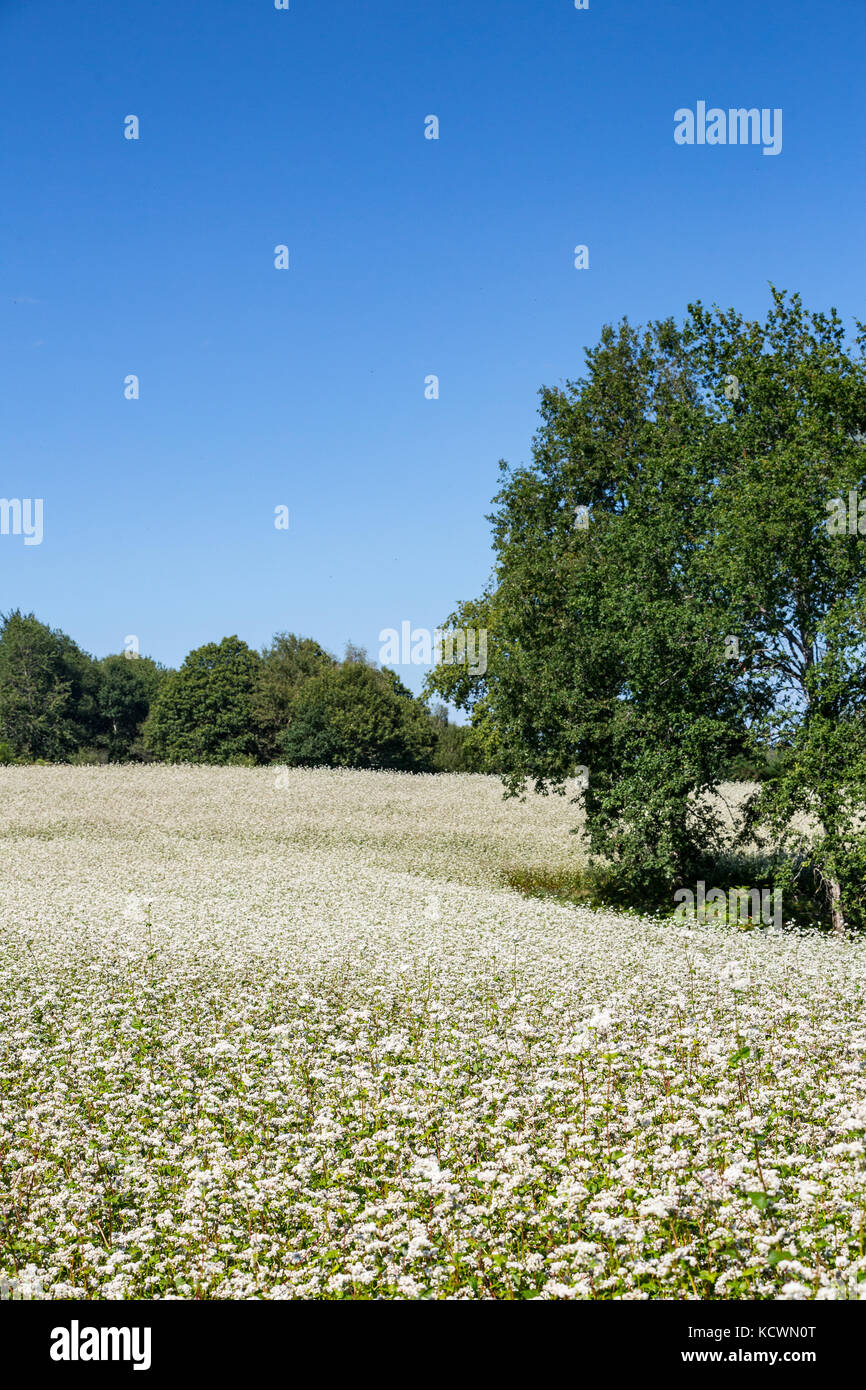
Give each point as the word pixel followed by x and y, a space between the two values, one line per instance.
pixel 449 754
pixel 357 716
pixel 47 691
pixel 286 665
pixel 459 747
pixel 127 688
pixel 203 713
pixel 479 741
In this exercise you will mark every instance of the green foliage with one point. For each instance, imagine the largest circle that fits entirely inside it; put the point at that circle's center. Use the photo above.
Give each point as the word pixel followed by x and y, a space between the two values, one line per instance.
pixel 483 747
pixel 225 705
pixel 47 691
pixel 823 777
pixel 88 757
pixel 357 716
pixel 598 886
pixel 705 519
pixel 457 746
pixel 459 685
pixel 449 754
pixel 600 652
pixel 127 688
pixel 203 712
pixel 757 765
pixel 286 665
pixel 787 448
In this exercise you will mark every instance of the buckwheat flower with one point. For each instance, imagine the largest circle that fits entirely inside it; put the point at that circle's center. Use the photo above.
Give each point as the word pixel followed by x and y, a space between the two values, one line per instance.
pixel 417 1244
pixel 135 908
pixel 808 1191
pixel 427 1168
pixel 601 1021
pixel 794 1291
pixel 270 1091
pixel 659 1207
pixel 855 1118
pixel 555 1289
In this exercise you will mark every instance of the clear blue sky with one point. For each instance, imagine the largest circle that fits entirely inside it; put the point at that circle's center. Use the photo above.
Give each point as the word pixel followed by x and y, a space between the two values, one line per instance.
pixel 408 257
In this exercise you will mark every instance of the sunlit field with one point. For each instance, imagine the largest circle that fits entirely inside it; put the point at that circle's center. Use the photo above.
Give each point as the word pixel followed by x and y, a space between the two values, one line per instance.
pixel 292 1035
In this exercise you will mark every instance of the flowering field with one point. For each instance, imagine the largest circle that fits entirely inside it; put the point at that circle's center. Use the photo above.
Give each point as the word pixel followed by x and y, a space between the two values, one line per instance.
pixel 292 1036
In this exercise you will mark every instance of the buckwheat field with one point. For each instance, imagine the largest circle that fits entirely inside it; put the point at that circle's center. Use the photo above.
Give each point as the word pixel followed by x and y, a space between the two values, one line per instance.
pixel 291 1035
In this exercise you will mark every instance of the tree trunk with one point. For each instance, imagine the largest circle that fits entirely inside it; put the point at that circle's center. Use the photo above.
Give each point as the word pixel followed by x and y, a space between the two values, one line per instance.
pixel 835 890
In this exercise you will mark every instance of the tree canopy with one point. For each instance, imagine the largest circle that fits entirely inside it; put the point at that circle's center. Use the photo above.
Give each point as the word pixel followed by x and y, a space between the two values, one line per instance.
pixel 47 690
pixel 127 688
pixel 203 712
pixel 668 595
pixel 286 665
pixel 357 716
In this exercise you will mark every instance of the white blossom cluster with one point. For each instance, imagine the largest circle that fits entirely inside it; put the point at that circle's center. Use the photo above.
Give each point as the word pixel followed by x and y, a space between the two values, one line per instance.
pixel 300 1042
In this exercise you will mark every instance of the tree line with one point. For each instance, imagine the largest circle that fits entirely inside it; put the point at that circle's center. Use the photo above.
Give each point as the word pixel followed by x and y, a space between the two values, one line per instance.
pixel 292 703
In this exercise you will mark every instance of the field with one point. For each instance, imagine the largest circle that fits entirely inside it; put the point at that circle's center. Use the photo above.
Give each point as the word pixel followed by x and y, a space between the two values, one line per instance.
pixel 278 1035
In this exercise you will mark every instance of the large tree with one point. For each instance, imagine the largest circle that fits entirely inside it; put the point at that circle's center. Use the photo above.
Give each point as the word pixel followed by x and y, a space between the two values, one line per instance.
pixel 667 593
pixel 203 712
pixel 791 457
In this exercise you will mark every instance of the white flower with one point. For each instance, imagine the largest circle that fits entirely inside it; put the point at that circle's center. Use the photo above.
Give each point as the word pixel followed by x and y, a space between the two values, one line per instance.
pixel 427 1168
pixel 659 1207
pixel 601 1021
pixel 794 1290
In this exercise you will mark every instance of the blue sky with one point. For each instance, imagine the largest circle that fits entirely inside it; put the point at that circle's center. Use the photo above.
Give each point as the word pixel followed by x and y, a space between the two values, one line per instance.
pixel 408 257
